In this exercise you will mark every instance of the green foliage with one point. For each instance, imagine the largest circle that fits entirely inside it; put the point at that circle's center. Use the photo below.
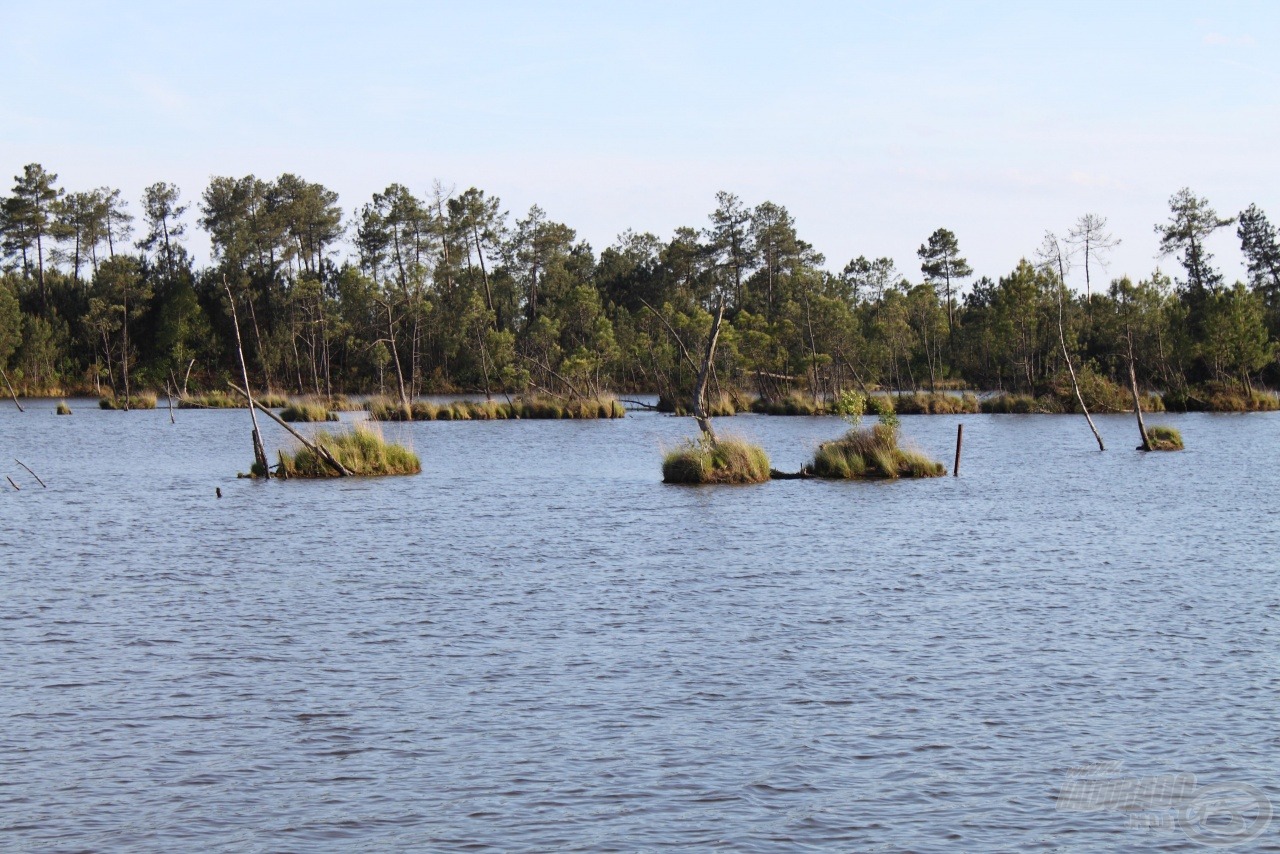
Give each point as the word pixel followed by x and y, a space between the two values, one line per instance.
pixel 361 451
pixel 727 461
pixel 446 294
pixel 851 406
pixel 871 453
pixel 882 406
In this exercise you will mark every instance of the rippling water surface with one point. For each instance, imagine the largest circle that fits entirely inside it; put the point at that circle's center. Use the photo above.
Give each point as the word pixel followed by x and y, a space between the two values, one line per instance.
pixel 536 645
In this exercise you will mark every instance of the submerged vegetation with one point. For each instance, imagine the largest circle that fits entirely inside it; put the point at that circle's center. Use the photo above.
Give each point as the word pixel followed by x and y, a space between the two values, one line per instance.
pixel 1163 438
pixel 362 451
pixel 382 409
pixel 708 461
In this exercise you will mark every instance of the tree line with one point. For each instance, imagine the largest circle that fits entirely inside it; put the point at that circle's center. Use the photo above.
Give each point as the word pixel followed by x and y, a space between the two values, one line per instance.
pixel 445 291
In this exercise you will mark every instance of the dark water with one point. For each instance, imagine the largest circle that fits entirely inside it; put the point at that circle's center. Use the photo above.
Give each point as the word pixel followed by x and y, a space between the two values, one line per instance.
pixel 535 645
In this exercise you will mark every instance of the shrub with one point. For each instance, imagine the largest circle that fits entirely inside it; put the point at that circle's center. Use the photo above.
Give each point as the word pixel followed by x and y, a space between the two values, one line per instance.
pixel 724 461
pixel 871 453
pixel 361 451
pixel 1163 438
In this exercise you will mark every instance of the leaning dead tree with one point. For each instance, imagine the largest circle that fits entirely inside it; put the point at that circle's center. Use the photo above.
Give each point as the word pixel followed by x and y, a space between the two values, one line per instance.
pixel 12 393
pixel 701 370
pixel 1052 256
pixel 1137 399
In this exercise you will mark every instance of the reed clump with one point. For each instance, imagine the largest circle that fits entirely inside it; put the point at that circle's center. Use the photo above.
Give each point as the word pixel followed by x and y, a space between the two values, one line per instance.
pixel 62 409
pixel 718 406
pixel 307 411
pixel 361 451
pixel 936 403
pixel 871 452
pixel 382 409
pixel 1020 404
pixel 726 461
pixel 142 400
pixel 1218 397
pixel 224 400
pixel 793 404
pixel 1162 437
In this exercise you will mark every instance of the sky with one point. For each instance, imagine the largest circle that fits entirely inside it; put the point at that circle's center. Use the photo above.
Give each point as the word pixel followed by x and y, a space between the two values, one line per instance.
pixel 873 123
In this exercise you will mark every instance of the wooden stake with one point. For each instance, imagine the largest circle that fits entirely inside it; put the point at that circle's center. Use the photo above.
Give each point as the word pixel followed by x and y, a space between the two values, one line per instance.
pixel 955 472
pixel 33 474
pixel 11 391
pixel 315 448
pixel 259 452
pixel 11 483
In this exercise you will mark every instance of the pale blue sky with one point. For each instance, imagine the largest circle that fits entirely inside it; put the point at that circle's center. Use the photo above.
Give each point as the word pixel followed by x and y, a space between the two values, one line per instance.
pixel 873 123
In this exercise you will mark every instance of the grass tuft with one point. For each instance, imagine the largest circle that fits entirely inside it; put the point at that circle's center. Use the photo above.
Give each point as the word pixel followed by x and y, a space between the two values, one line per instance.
pixel 726 461
pixel 382 409
pixel 362 451
pixel 871 452
pixel 1163 438
pixel 305 410
pixel 143 400
pixel 63 409
pixel 225 400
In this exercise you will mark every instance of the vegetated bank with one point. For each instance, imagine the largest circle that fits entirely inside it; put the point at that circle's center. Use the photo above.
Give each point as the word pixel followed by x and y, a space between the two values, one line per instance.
pixel 383 409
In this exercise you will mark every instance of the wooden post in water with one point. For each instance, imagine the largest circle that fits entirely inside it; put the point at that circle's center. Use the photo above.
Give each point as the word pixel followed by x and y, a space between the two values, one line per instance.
pixel 259 452
pixel 955 472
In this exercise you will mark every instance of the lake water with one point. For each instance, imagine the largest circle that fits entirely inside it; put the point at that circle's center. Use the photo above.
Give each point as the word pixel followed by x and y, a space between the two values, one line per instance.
pixel 536 645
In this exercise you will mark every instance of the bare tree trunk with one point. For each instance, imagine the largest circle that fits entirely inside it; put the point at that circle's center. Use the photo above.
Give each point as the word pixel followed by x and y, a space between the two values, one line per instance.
pixel 1137 401
pixel 259 452
pixel 1062 339
pixel 704 371
pixel 12 393
pixel 395 353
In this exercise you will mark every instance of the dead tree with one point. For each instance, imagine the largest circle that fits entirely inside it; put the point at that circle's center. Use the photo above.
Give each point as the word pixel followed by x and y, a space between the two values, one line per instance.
pixel 259 452
pixel 1052 255
pixel 701 370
